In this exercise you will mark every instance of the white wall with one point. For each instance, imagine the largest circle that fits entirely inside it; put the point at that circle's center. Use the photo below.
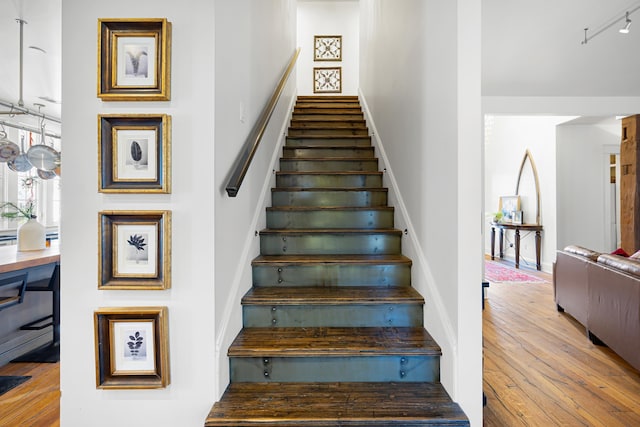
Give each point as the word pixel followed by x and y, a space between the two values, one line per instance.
pixel 255 40
pixel 316 18
pixel 422 90
pixel 506 140
pixel 581 191
pixel 216 68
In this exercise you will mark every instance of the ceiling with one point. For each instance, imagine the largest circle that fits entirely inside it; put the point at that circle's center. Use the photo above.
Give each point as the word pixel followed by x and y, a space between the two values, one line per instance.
pixel 529 48
pixel 41 70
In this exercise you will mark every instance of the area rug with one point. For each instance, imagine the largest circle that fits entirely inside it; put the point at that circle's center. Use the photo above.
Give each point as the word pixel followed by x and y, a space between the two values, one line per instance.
pixel 498 273
pixel 9 382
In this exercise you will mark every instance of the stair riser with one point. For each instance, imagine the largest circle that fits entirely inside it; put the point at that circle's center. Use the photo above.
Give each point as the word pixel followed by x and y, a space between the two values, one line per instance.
pixel 319 152
pixel 332 275
pixel 351 315
pixel 328 131
pixel 344 124
pixel 319 142
pixel 318 219
pixel 330 244
pixel 331 165
pixel 327 117
pixel 364 198
pixel 329 181
pixel 332 369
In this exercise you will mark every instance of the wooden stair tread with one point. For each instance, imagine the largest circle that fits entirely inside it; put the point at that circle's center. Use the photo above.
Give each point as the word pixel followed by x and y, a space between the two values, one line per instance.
pixel 333 342
pixel 328 136
pixel 329 159
pixel 332 295
pixel 307 231
pixel 335 404
pixel 289 260
pixel 333 147
pixel 329 208
pixel 331 173
pixel 381 189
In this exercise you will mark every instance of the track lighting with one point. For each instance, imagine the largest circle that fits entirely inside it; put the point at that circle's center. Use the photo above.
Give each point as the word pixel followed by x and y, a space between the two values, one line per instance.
pixel 589 33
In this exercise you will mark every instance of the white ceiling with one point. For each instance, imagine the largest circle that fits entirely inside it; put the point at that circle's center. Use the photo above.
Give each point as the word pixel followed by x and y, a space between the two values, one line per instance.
pixel 529 48
pixel 42 71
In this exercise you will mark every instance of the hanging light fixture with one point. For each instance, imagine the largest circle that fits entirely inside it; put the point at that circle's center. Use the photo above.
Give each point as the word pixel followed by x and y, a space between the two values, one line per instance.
pixel 625 29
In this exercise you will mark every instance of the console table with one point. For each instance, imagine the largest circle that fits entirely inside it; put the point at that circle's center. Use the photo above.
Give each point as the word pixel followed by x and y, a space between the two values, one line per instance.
pixel 517 227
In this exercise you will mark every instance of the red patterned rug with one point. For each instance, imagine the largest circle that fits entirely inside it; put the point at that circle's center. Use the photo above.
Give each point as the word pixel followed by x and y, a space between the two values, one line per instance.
pixel 496 272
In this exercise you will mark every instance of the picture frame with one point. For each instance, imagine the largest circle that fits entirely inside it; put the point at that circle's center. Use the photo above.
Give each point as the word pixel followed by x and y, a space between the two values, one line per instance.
pixel 508 205
pixel 327 48
pixel 132 347
pixel 327 80
pixel 134 252
pixel 517 217
pixel 134 59
pixel 134 153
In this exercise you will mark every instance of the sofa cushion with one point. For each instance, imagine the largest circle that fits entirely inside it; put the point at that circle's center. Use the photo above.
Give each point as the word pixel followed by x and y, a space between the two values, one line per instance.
pixel 631 266
pixel 620 252
pixel 579 250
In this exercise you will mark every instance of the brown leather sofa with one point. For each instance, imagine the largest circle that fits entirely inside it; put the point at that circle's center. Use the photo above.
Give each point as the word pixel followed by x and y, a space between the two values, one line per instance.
pixel 602 292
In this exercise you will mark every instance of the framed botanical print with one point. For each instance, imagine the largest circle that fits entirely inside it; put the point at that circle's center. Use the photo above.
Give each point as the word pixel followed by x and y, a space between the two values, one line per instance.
pixel 327 48
pixel 327 80
pixel 132 347
pixel 134 153
pixel 134 59
pixel 134 250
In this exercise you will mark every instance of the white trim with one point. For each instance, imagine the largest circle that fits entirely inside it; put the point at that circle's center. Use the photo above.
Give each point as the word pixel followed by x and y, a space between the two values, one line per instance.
pixel 249 247
pixel 436 298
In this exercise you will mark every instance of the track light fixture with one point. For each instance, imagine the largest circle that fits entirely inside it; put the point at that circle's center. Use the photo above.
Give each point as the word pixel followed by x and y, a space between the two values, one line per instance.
pixel 627 24
pixel 611 22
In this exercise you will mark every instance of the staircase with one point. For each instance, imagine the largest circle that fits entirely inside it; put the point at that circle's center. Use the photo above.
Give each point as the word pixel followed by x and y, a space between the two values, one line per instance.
pixel 333 331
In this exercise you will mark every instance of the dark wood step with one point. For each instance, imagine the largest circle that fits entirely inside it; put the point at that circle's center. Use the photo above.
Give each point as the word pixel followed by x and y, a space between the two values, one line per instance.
pixel 335 404
pixel 329 179
pixel 327 110
pixel 329 197
pixel 325 124
pixel 326 116
pixel 328 104
pixel 330 241
pixel 315 295
pixel 327 131
pixel 331 270
pixel 325 217
pixel 335 164
pixel 319 141
pixel 333 342
pixel 328 98
pixel 328 151
pixel 326 306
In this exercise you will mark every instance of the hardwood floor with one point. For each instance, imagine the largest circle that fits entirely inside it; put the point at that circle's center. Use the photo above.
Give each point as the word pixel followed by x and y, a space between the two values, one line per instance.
pixel 541 369
pixel 34 403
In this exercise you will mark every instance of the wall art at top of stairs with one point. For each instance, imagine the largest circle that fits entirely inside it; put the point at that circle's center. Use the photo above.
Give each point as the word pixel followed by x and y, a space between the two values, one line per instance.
pixel 327 48
pixel 327 80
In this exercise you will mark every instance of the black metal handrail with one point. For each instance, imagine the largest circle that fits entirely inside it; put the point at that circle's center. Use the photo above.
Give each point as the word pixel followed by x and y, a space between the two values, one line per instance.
pixel 250 147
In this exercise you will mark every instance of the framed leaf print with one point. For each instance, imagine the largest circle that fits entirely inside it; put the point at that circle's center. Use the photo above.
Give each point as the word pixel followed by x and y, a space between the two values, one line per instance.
pixel 134 250
pixel 327 80
pixel 134 153
pixel 134 58
pixel 132 347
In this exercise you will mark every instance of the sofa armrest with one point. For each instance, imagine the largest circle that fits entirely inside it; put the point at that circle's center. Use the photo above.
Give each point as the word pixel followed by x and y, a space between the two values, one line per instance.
pixel 630 266
pixel 579 250
pixel 570 284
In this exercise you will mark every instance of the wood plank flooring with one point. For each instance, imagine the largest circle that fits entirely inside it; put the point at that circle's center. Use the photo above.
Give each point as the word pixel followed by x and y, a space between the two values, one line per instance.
pixel 34 403
pixel 540 369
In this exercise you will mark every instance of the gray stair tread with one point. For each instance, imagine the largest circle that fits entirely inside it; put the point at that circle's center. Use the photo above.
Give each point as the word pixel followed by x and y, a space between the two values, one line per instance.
pixel 303 231
pixel 332 295
pixel 335 404
pixel 329 208
pixel 282 260
pixel 333 342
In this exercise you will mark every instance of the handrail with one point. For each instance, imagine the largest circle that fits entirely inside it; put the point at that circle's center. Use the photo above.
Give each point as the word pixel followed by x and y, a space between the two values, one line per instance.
pixel 243 161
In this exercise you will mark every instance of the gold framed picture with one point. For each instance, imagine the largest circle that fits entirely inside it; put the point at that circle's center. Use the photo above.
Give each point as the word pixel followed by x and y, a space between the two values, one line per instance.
pixel 132 347
pixel 134 153
pixel 134 250
pixel 134 59
pixel 327 48
pixel 327 79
